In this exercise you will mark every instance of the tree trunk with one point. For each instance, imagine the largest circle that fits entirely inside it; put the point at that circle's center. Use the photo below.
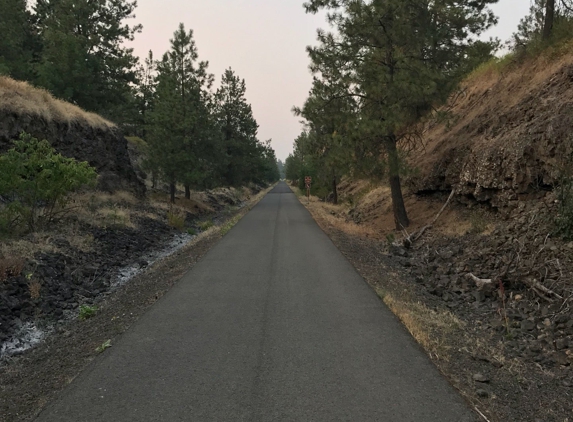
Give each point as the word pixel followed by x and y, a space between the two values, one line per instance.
pixel 187 192
pixel 400 214
pixel 549 18
pixel 172 191
pixel 334 191
pixel 153 180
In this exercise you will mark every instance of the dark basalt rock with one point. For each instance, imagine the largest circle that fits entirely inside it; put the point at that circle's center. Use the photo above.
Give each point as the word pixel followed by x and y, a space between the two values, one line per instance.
pixel 104 148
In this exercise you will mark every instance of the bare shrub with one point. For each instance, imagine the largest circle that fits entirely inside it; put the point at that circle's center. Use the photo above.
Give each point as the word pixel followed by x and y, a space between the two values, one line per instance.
pixel 11 267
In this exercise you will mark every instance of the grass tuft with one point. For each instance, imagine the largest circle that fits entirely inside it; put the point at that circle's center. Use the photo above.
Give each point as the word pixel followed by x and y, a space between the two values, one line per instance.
pixel 34 288
pixel 176 218
pixel 115 217
pixel 206 225
pixel 102 347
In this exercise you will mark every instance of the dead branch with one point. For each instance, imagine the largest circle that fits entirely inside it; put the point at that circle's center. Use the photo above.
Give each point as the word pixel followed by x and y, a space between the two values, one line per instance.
pixel 480 282
pixel 541 295
pixel 421 232
pixel 534 284
pixel 407 242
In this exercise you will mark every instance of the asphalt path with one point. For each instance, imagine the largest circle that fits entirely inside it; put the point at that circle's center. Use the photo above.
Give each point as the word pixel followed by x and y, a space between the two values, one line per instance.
pixel 273 324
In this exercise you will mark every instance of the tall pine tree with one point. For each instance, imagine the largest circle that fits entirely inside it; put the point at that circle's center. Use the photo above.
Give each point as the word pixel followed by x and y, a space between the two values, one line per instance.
pixel 238 127
pixel 179 123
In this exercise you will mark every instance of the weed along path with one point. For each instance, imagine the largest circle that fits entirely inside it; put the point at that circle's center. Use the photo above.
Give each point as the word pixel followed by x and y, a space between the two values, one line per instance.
pixel 273 324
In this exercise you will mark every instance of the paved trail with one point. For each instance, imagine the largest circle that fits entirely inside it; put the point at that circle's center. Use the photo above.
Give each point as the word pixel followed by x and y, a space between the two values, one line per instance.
pixel 272 325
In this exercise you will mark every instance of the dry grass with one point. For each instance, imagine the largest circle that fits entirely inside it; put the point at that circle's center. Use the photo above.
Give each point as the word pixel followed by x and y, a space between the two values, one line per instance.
pixel 347 226
pixel 96 199
pixel 195 205
pixel 545 61
pixel 24 99
pixel 374 204
pixel 28 247
pixel 81 242
pixel 34 288
pixel 334 215
pixel 105 209
pixel 100 210
pixel 430 328
pixel 114 216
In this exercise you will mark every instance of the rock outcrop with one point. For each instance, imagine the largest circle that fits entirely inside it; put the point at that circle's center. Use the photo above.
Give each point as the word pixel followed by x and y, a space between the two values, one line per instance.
pixel 71 131
pixel 510 139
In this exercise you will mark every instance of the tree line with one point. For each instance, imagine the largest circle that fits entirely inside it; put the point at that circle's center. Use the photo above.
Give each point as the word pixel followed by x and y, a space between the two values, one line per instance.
pixel 385 66
pixel 195 135
pixel 548 21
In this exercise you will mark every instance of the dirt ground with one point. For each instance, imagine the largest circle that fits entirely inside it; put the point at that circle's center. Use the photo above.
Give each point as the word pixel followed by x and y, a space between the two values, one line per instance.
pixel 30 381
pixel 509 358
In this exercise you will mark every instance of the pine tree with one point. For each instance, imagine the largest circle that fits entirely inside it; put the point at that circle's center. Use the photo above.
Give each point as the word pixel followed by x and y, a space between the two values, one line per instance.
pixel 281 167
pixel 238 127
pixel 549 18
pixel 144 94
pixel 84 58
pixel 19 44
pixel 545 19
pixel 330 118
pixel 180 120
pixel 396 58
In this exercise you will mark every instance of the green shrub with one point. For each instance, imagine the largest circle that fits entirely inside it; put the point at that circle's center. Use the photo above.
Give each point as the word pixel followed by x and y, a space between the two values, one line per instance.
pixel 35 183
pixel 390 239
pixel 87 312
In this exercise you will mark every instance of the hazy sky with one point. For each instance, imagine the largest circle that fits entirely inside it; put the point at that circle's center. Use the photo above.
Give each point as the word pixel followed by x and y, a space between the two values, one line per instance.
pixel 264 42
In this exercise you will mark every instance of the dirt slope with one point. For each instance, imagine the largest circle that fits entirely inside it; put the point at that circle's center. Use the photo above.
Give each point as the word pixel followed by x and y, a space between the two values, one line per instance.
pixel 507 134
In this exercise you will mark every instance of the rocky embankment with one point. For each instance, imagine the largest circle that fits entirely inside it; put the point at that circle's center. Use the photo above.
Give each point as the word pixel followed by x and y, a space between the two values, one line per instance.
pixel 514 282
pixel 51 287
